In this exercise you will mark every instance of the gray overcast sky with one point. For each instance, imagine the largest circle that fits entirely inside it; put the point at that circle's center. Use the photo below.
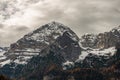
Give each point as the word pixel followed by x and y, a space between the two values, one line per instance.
pixel 18 17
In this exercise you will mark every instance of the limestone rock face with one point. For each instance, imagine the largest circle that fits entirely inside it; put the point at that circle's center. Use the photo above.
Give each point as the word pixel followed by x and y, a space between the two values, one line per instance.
pixel 102 40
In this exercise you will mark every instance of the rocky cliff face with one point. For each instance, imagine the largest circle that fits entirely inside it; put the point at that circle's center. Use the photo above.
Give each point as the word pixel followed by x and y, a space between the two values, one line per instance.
pixel 102 40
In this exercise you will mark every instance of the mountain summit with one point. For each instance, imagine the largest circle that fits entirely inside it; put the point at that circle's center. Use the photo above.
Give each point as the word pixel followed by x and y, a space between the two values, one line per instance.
pixel 53 36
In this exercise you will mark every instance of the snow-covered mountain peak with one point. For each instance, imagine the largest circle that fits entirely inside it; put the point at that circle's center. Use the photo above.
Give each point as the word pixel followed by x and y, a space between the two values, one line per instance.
pixel 33 43
pixel 48 32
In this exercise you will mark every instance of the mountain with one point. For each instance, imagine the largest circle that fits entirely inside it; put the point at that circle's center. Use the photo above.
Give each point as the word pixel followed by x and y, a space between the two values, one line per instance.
pixel 52 36
pixel 97 49
pixel 33 43
pixel 54 52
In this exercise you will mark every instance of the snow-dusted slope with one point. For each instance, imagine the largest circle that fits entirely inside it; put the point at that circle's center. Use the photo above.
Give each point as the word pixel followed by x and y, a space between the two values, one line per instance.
pixel 3 58
pixel 2 54
pixel 98 52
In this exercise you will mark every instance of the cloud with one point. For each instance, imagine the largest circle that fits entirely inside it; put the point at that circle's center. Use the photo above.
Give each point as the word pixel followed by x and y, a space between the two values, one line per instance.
pixel 82 16
pixel 21 28
pixel 1 26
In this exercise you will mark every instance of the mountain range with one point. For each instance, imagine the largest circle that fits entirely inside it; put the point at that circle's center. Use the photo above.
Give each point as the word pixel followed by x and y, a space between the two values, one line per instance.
pixel 55 52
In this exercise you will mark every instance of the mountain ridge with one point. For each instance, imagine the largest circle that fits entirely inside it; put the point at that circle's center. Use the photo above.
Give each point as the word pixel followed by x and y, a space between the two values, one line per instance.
pixel 101 40
pixel 54 45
